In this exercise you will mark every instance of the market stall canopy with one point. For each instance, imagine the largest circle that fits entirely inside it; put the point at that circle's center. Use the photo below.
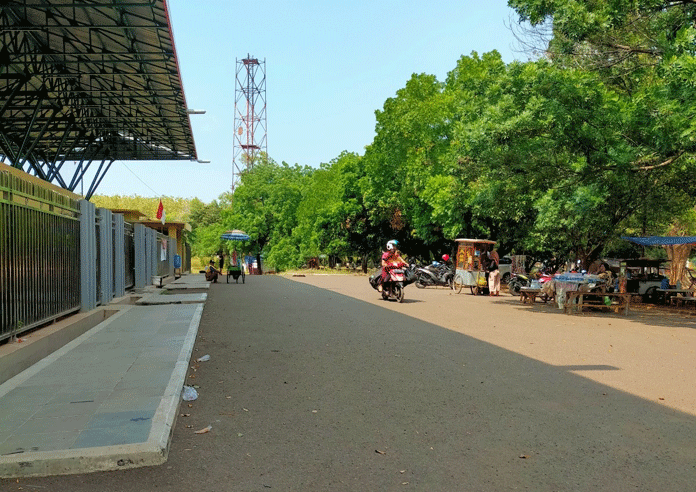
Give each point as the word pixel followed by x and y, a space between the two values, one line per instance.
pixel 661 240
pixel 235 235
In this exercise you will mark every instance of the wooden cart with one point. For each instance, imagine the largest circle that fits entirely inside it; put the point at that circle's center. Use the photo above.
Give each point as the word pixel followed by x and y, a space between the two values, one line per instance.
pixel 470 265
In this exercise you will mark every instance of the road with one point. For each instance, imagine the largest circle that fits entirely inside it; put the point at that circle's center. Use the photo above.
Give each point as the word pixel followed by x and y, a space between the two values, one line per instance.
pixel 315 383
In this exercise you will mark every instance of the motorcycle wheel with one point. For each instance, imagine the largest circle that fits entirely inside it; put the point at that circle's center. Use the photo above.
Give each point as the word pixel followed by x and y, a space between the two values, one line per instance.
pixel 419 281
pixel 399 293
pixel 457 285
pixel 514 288
pixel 450 282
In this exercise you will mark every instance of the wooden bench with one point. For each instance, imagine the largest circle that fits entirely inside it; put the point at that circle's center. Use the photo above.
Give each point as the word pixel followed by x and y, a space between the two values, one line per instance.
pixel 681 300
pixel 529 294
pixel 576 300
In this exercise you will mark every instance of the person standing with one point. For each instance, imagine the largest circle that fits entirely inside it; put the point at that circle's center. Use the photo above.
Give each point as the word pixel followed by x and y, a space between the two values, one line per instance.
pixel 493 274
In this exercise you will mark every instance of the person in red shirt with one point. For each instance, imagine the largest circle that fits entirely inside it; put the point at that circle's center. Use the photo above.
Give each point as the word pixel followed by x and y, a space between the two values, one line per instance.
pixel 391 259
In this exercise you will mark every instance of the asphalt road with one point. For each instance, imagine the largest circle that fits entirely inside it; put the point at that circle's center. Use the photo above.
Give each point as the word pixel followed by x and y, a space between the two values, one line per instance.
pixel 316 384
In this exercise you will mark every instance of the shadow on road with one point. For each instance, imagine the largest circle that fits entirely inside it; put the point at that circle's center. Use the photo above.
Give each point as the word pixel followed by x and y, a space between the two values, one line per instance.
pixel 310 389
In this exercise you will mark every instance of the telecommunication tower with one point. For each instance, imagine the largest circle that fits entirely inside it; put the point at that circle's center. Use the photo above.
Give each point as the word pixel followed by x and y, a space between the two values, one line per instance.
pixel 249 115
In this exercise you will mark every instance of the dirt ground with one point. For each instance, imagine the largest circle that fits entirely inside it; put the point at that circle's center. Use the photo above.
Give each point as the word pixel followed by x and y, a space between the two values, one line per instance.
pixel 650 354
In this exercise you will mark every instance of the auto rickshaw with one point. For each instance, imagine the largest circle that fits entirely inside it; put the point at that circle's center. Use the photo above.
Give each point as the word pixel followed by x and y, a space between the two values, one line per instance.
pixel 470 265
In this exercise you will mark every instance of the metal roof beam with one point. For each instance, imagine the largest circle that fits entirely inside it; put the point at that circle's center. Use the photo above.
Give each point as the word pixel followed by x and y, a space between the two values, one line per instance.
pixel 145 3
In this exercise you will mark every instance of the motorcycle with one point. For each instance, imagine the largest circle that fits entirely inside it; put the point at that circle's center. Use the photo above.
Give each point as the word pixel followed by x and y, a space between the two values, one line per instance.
pixel 516 282
pixel 435 274
pixel 519 280
pixel 393 287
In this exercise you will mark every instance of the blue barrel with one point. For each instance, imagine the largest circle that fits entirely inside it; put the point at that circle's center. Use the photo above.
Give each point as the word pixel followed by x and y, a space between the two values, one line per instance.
pixel 177 261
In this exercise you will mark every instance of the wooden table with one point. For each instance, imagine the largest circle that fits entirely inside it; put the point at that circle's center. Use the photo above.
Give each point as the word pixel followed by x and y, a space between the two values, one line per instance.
pixel 674 296
pixel 528 294
pixel 576 300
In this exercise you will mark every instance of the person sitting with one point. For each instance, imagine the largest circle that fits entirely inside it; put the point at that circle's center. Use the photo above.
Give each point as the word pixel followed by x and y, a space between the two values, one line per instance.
pixel 391 259
pixel 211 273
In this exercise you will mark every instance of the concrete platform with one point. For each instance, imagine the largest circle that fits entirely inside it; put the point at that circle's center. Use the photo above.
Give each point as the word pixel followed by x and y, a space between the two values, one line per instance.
pixel 106 400
pixel 159 299
pixel 187 286
pixel 190 279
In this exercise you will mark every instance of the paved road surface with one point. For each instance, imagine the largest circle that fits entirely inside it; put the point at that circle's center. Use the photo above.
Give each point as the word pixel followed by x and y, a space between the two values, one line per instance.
pixel 316 384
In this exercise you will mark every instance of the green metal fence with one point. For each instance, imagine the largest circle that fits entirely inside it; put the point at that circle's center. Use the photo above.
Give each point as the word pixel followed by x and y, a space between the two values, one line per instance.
pixel 39 255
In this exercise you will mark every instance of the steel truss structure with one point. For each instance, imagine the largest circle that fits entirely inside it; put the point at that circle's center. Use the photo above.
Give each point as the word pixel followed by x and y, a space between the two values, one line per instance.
pixel 89 81
pixel 250 135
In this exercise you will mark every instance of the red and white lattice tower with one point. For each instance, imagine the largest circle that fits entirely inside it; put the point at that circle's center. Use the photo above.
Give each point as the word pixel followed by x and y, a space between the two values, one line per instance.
pixel 249 116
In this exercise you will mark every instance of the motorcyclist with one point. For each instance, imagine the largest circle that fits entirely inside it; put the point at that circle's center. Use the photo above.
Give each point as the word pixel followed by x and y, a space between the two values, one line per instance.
pixel 391 259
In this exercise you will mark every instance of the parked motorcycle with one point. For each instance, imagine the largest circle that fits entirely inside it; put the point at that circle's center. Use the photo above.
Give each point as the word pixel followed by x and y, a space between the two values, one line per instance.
pixel 516 282
pixel 519 280
pixel 434 275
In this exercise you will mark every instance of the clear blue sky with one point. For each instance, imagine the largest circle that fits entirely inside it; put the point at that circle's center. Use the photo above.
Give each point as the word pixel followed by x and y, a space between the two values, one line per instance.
pixel 329 66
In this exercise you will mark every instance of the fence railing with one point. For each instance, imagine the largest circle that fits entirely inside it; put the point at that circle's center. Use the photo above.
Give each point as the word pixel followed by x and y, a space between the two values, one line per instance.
pixel 59 255
pixel 39 255
pixel 129 249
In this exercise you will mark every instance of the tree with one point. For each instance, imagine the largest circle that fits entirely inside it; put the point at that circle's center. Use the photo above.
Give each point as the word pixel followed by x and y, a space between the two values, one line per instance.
pixel 332 217
pixel 405 178
pixel 643 51
pixel 265 207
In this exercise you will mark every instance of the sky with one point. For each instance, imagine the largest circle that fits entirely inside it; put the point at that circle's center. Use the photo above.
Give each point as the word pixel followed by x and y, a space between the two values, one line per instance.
pixel 329 67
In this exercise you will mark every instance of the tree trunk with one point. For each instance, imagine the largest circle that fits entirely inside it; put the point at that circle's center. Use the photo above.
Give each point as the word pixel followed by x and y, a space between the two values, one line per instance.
pixel 678 254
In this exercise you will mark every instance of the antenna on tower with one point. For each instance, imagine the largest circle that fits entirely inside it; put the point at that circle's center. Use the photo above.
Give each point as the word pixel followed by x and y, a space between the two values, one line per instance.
pixel 249 116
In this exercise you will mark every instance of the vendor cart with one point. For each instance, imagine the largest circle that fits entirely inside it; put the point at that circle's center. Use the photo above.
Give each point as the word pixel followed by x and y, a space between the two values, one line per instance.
pixel 471 264
pixel 235 269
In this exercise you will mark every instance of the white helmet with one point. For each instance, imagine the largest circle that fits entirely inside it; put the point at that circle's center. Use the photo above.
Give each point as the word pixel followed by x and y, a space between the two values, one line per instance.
pixel 392 245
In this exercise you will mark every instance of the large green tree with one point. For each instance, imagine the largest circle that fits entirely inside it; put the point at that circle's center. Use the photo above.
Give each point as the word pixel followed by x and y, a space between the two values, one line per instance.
pixel 332 217
pixel 265 207
pixel 643 51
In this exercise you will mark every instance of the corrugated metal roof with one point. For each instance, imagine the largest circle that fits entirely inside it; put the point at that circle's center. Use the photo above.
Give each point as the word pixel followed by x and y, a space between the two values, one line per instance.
pixel 92 79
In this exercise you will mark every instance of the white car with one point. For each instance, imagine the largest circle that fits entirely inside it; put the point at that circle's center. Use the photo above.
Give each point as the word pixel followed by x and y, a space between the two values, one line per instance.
pixel 505 268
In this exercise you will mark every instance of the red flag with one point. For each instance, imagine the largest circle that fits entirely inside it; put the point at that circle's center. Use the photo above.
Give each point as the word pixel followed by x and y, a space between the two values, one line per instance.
pixel 160 209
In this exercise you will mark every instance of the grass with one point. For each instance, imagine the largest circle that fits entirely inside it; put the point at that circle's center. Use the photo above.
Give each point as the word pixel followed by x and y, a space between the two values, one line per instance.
pixel 196 265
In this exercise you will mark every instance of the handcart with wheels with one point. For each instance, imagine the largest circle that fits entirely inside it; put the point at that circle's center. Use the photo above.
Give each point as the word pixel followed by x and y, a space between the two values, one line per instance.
pixel 471 263
pixel 235 269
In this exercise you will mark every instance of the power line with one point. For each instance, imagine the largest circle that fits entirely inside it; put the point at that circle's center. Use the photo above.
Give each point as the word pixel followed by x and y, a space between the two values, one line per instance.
pixel 143 182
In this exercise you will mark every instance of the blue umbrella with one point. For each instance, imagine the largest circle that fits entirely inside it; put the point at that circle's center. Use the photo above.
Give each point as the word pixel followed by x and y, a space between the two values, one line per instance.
pixel 235 235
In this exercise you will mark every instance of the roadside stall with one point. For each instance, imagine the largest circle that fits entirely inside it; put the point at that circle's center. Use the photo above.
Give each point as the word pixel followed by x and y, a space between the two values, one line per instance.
pixel 234 266
pixel 654 282
pixel 470 265
pixel 575 291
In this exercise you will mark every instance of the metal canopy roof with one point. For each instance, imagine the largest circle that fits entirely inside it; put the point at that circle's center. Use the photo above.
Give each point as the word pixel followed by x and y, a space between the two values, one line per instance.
pixel 89 81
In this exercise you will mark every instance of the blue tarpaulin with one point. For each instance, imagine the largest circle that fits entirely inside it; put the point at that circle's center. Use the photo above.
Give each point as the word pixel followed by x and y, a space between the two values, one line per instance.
pixel 661 240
